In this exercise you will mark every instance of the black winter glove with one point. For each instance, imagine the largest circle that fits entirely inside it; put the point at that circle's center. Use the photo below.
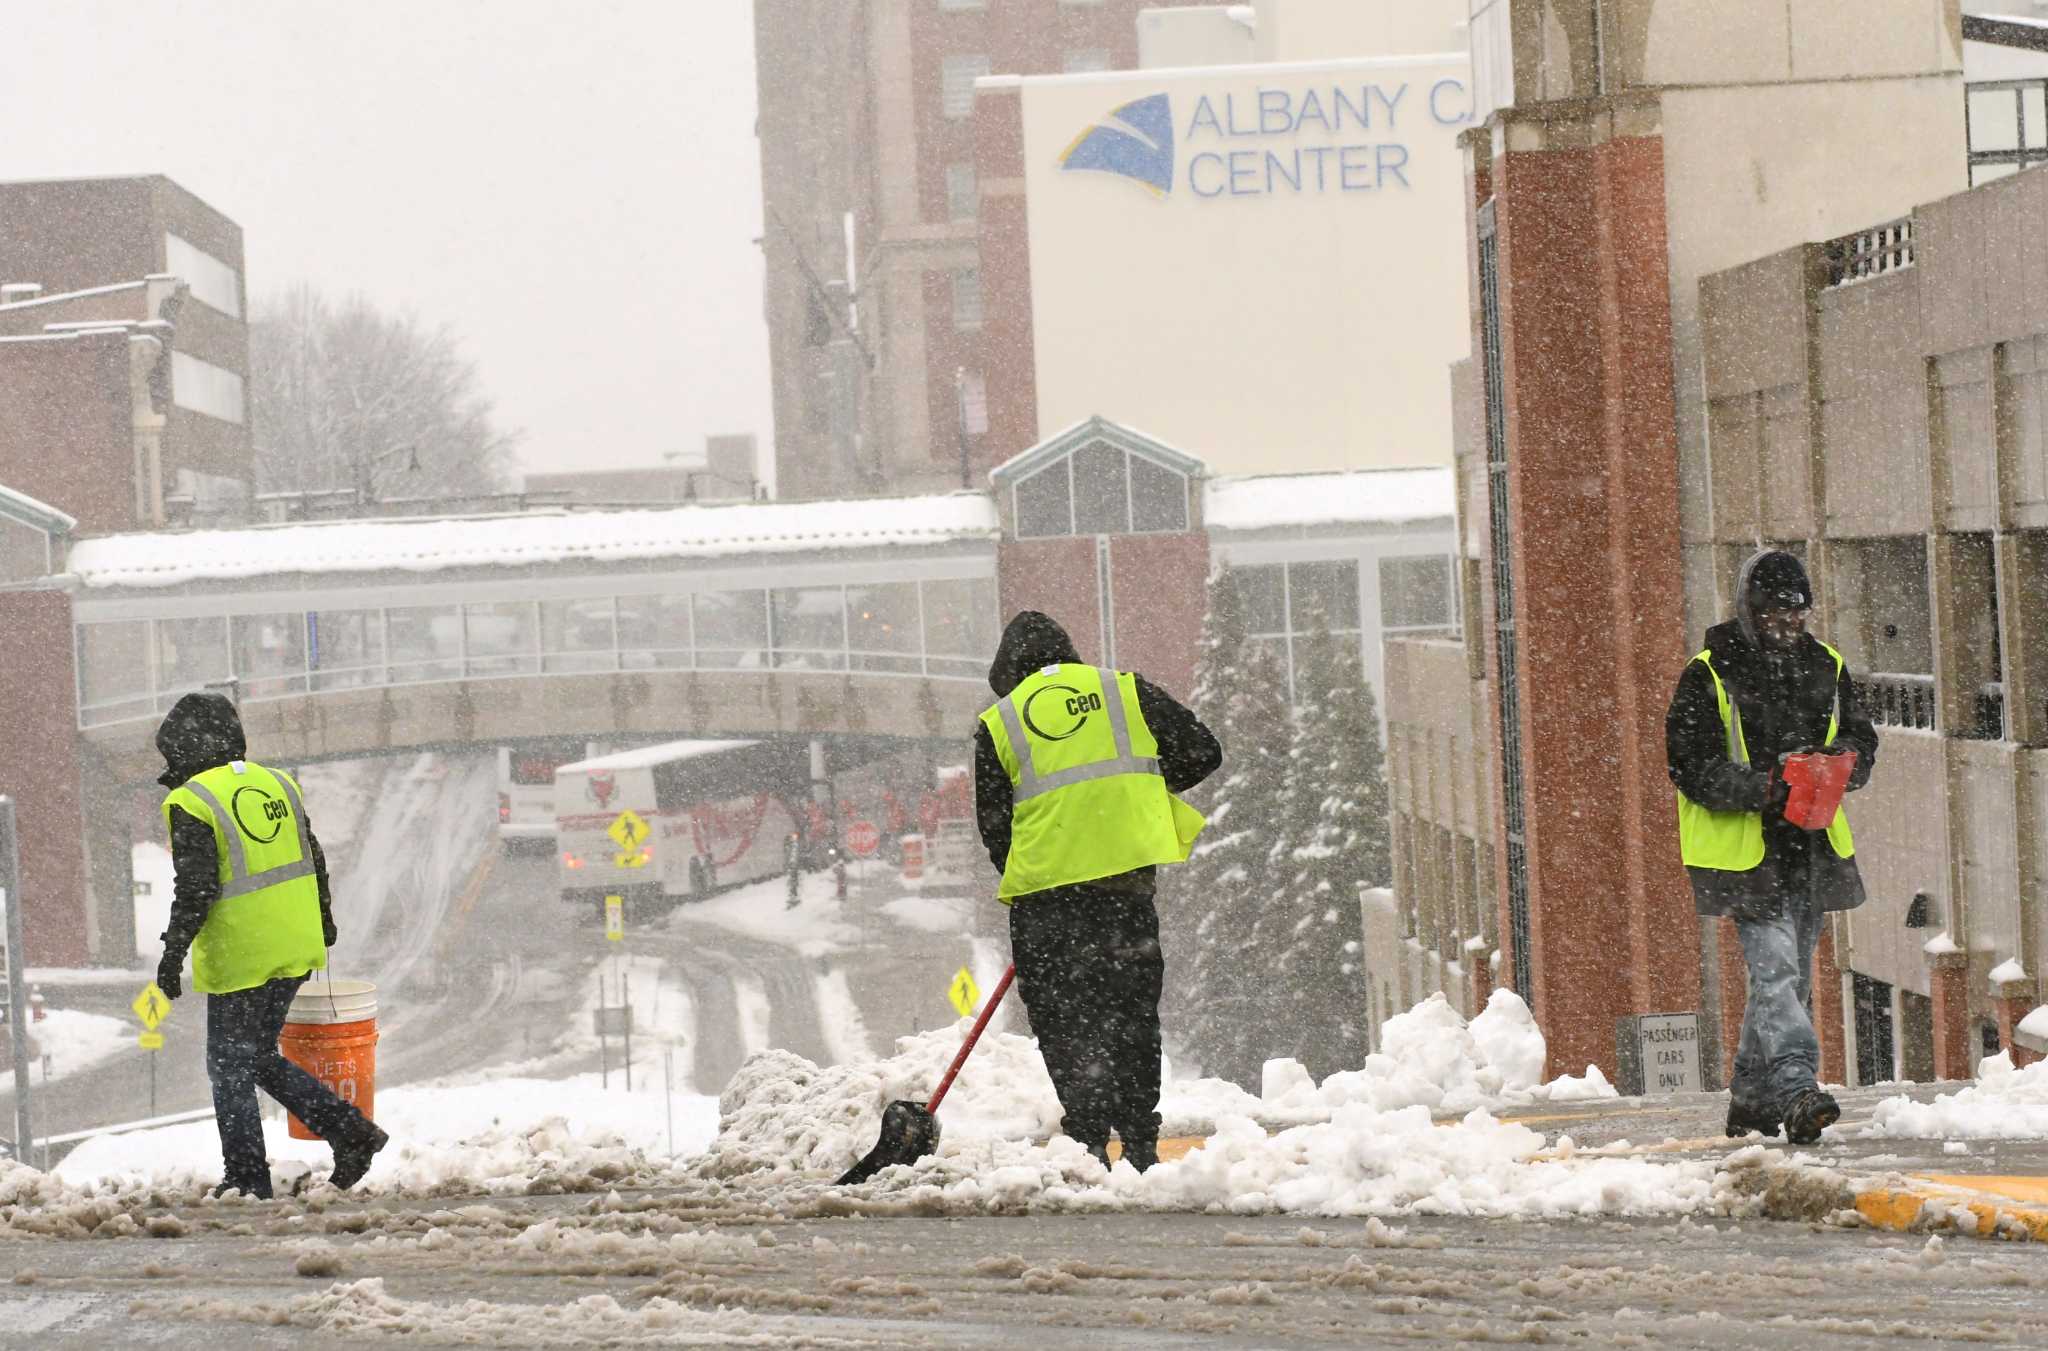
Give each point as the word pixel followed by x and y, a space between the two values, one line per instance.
pixel 328 933
pixel 170 974
pixel 1776 794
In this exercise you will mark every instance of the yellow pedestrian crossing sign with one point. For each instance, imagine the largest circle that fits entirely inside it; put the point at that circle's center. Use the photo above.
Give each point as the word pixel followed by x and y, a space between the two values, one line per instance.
pixel 615 918
pixel 964 993
pixel 150 1041
pixel 152 1006
pixel 629 831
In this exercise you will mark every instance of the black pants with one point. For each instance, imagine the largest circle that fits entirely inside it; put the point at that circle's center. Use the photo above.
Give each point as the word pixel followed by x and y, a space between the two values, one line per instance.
pixel 1089 971
pixel 242 1028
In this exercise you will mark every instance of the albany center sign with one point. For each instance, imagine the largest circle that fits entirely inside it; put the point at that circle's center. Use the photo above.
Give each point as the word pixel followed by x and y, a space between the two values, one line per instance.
pixel 1261 265
pixel 1336 138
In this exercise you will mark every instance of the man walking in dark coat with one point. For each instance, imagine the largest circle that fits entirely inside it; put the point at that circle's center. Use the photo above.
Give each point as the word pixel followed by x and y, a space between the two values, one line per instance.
pixel 1076 771
pixel 1762 690
pixel 253 907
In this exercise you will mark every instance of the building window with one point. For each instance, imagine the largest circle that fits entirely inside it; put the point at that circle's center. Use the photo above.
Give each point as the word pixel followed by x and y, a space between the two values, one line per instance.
pixel 205 388
pixel 957 80
pixel 973 403
pixel 963 4
pixel 1415 593
pixel 1045 503
pixel 211 280
pixel 967 299
pixel 1101 489
pixel 1086 59
pixel 1281 601
pixel 962 198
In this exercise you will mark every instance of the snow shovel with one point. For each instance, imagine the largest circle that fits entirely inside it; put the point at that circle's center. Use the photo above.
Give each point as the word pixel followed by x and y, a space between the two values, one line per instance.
pixel 911 1130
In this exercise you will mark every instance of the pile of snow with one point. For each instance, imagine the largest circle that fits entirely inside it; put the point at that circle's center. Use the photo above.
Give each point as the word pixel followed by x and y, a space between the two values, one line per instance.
pixel 70 1040
pixel 2004 1104
pixel 506 1135
pixel 781 1112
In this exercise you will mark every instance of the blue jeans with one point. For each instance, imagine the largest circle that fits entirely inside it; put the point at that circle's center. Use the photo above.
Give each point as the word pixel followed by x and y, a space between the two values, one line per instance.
pixel 1778 1056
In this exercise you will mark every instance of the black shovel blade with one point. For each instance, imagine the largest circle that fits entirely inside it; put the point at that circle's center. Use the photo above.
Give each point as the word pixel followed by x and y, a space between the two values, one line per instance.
pixel 909 1132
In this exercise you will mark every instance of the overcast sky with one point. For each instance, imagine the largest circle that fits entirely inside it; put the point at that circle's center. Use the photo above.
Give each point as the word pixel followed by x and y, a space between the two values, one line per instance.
pixel 572 185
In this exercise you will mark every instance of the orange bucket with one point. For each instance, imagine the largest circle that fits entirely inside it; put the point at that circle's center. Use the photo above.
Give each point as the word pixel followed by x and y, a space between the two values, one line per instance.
pixel 331 1033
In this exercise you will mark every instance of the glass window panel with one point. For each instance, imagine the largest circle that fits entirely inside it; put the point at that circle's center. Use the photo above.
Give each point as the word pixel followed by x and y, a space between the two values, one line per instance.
pixel 1994 122
pixel 345 648
pixel 1159 497
pixel 809 627
pixel 957 75
pixel 960 620
pixel 732 629
pixel 967 299
pixel 113 672
pixel 956 668
pixel 499 638
pixel 1259 592
pixel 1042 504
pixel 426 643
pixel 1332 586
pixel 881 626
pixel 1101 491
pixel 270 654
pixel 654 632
pixel 190 654
pixel 1415 592
pixel 576 635
pixel 962 198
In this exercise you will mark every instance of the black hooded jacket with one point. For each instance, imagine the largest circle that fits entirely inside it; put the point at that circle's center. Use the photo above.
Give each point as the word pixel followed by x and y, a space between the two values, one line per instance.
pixel 202 732
pixel 1188 750
pixel 1786 699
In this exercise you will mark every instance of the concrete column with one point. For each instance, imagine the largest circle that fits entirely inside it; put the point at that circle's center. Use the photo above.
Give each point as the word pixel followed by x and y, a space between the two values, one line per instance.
pixel 1948 982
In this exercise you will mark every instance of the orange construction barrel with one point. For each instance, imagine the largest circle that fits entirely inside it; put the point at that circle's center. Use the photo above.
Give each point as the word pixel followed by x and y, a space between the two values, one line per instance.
pixel 330 1032
pixel 913 857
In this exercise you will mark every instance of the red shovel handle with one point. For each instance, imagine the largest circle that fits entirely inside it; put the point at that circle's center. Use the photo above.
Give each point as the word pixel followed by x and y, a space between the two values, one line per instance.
pixel 1002 988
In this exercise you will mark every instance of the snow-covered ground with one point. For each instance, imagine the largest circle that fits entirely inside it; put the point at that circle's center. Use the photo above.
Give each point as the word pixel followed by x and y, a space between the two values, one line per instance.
pixel 816 927
pixel 70 1040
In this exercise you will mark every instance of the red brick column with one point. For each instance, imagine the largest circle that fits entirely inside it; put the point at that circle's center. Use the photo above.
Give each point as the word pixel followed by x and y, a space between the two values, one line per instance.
pixel 2014 1001
pixel 1734 994
pixel 39 770
pixel 1479 963
pixel 1827 1008
pixel 1948 974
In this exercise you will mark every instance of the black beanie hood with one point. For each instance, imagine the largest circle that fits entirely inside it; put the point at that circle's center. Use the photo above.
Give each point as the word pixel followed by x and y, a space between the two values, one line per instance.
pixel 1032 640
pixel 200 731
pixel 1770 580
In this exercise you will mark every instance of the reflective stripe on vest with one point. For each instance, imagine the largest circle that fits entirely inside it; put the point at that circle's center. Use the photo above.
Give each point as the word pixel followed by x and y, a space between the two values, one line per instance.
pixel 1734 841
pixel 241 881
pixel 1101 808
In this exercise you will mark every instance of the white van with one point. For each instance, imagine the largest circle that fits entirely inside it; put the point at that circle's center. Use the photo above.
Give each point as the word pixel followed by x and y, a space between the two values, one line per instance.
pixel 676 820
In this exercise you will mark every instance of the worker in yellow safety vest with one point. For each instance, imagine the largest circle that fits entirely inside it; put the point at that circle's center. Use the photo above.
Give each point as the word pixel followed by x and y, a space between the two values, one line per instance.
pixel 253 908
pixel 1764 689
pixel 1076 774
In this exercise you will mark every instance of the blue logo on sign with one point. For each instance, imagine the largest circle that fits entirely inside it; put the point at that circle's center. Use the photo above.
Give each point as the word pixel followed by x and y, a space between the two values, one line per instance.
pixel 1134 141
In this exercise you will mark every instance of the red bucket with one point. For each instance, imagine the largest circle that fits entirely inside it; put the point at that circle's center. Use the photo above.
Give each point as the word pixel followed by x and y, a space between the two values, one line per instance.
pixel 1817 780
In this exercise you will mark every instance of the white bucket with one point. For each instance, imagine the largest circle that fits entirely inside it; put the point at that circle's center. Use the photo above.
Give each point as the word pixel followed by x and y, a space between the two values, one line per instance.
pixel 321 1000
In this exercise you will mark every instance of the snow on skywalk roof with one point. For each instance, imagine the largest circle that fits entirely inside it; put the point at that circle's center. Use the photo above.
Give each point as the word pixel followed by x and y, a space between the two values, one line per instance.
pixel 1362 496
pixel 175 558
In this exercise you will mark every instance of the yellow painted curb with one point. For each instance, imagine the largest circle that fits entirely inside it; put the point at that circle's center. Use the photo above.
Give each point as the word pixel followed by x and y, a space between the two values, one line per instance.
pixel 1996 1216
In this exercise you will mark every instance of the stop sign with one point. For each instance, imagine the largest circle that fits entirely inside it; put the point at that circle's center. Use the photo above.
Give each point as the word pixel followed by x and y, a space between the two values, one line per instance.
pixel 862 839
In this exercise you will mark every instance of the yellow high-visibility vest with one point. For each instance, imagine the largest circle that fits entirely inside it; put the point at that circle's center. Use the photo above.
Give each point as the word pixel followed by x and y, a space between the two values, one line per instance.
pixel 266 923
pixel 1734 841
pixel 1088 801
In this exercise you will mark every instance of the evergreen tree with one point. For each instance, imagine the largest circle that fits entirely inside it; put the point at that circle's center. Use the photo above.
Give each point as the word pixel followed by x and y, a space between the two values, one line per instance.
pixel 1214 996
pixel 1341 763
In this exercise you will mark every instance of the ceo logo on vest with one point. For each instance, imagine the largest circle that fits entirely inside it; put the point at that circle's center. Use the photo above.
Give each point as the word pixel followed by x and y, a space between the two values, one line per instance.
pixel 260 815
pixel 1076 706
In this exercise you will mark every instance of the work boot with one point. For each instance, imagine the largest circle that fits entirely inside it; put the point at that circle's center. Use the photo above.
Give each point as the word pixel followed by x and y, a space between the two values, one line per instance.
pixel 1811 1112
pixel 1141 1154
pixel 352 1160
pixel 1742 1120
pixel 1098 1148
pixel 255 1191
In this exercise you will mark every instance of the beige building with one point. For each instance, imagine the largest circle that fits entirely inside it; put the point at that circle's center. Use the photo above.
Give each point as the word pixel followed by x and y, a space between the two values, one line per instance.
pixel 1625 155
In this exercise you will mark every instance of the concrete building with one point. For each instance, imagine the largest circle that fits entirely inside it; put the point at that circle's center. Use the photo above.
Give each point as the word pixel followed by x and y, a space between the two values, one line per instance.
pixel 123 342
pixel 1256 255
pixel 1623 150
pixel 724 472
pixel 875 306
